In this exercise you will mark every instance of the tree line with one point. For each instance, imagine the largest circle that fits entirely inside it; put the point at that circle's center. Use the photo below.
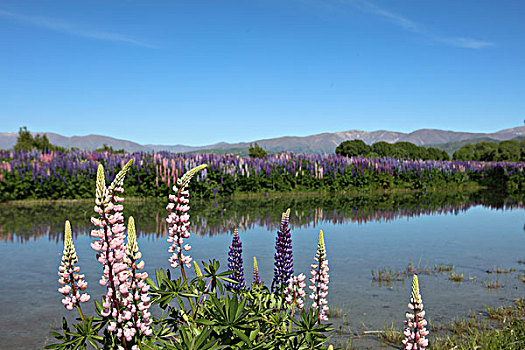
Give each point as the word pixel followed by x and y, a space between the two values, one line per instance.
pixel 400 150
pixel 511 151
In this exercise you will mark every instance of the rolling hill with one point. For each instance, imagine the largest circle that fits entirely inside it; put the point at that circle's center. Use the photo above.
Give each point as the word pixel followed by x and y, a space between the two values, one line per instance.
pixel 319 143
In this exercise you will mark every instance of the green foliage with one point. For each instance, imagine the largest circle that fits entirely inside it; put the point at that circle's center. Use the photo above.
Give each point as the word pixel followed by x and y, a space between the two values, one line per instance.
pixel 257 151
pixel 26 141
pixel 353 148
pixel 505 333
pixel 253 318
pixel 511 151
pixel 400 150
pixel 106 148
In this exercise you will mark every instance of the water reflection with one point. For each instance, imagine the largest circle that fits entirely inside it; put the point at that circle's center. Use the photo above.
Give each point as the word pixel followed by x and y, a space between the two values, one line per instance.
pixel 22 222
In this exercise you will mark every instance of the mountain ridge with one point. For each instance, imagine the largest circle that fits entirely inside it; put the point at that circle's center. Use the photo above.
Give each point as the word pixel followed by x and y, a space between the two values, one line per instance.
pixel 317 143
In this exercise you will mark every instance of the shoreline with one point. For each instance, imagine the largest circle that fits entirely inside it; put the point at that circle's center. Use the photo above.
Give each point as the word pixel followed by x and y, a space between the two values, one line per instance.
pixel 258 195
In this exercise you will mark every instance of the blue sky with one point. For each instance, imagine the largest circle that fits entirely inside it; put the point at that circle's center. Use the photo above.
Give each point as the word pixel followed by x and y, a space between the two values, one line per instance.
pixel 203 71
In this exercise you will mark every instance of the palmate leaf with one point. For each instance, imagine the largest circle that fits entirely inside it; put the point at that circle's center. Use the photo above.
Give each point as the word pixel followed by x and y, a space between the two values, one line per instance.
pixel 217 278
pixel 202 341
pixel 311 333
pixel 84 331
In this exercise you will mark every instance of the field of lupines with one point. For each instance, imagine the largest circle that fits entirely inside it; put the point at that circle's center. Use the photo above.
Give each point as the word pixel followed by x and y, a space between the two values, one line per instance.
pixel 56 175
pixel 215 309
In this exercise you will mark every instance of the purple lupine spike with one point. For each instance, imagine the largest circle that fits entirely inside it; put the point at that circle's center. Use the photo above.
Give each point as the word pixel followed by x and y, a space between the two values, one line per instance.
pixel 235 262
pixel 283 259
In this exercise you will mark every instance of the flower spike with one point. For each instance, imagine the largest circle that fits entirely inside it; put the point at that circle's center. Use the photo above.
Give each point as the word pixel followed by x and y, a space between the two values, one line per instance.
pixel 178 221
pixel 319 280
pixel 72 282
pixel 235 262
pixel 256 277
pixel 283 259
pixel 415 330
pixel 111 248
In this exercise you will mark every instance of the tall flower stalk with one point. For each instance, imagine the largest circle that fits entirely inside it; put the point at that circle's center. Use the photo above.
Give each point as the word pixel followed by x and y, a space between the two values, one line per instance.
pixel 256 276
pixel 235 262
pixel 415 331
pixel 111 249
pixel 72 282
pixel 179 221
pixel 319 280
pixel 283 259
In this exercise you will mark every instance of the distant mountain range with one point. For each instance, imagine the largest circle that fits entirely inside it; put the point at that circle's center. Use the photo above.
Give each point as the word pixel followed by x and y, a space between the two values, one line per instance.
pixel 319 143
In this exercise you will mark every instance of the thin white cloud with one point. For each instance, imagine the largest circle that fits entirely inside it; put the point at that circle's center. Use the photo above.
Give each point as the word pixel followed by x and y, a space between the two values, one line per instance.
pixel 466 43
pixel 409 25
pixel 67 28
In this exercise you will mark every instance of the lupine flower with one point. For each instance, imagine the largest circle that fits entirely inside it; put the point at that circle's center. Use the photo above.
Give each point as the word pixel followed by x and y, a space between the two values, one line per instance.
pixel 235 262
pixel 283 259
pixel 72 282
pixel 295 291
pixel 179 221
pixel 111 249
pixel 134 290
pixel 256 277
pixel 319 280
pixel 415 331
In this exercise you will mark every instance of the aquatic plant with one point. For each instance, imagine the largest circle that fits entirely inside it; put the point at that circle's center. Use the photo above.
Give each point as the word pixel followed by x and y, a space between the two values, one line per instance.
pixel 283 259
pixel 415 331
pixel 235 262
pixel 72 282
pixel 456 277
pixel 319 280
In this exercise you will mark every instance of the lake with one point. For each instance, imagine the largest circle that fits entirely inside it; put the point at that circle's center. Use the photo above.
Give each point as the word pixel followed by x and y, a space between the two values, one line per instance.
pixel 476 232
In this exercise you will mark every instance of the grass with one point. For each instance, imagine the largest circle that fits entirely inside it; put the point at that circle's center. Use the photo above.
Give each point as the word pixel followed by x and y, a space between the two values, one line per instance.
pixel 492 284
pixel 385 274
pixel 499 270
pixel 455 277
pixel 336 312
pixel 391 335
pixel 388 275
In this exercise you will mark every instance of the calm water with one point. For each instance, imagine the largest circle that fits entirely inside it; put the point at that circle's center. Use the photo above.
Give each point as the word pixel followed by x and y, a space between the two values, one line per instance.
pixel 475 232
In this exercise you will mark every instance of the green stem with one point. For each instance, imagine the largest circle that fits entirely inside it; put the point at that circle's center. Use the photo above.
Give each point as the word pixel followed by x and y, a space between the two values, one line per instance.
pixel 80 312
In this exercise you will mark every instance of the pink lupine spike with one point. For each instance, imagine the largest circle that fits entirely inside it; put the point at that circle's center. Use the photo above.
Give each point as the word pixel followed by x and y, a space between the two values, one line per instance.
pixel 138 301
pixel 179 221
pixel 72 282
pixel 319 280
pixel 415 332
pixel 111 248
